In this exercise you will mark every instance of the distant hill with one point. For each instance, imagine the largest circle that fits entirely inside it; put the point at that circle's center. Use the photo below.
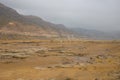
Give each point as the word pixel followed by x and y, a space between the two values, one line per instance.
pixel 13 23
pixel 116 35
pixel 94 34
pixel 16 26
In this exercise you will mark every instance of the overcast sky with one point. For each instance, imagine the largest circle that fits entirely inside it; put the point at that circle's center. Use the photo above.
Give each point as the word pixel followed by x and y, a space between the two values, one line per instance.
pixel 90 14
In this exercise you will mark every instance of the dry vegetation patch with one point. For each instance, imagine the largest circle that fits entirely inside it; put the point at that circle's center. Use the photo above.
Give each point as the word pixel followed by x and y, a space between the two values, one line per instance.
pixel 59 60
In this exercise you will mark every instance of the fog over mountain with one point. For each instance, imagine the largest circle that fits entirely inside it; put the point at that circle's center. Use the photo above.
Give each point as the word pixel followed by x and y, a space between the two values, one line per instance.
pixel 101 15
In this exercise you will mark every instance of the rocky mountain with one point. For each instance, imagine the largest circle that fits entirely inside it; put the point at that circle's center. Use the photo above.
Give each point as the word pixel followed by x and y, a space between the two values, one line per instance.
pixel 14 25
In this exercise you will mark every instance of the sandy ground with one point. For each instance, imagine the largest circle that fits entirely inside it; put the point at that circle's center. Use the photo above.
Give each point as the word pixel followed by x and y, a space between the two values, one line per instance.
pixel 59 60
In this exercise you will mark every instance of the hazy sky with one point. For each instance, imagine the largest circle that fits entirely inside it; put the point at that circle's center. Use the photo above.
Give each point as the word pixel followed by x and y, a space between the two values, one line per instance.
pixel 90 14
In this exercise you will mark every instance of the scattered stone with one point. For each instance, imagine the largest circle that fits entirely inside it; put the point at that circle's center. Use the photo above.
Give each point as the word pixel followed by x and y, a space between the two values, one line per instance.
pixel 96 79
pixel 20 79
pixel 39 68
